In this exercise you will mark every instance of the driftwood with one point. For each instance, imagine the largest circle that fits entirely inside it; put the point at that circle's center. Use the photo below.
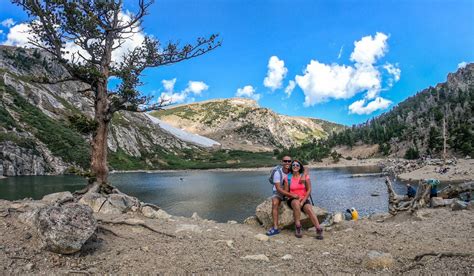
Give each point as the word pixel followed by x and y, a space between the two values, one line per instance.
pixel 398 203
pixel 129 223
pixel 452 191
pixel 442 254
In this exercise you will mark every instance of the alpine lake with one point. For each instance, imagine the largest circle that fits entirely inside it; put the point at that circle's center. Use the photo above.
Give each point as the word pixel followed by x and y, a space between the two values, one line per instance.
pixel 220 195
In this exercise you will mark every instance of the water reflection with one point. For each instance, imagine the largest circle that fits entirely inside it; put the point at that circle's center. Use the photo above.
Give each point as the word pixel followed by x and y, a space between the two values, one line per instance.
pixel 220 196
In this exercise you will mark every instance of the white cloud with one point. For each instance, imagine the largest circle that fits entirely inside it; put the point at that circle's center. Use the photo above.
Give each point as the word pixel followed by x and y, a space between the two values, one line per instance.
pixel 393 70
pixel 19 35
pixel 369 49
pixel 276 73
pixel 249 92
pixel 169 84
pixel 462 65
pixel 362 107
pixel 321 82
pixel 7 22
pixel 289 89
pixel 172 97
pixel 196 87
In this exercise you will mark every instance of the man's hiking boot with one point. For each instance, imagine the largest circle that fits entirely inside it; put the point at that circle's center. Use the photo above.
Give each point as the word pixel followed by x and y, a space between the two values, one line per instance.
pixel 298 232
pixel 319 233
pixel 273 231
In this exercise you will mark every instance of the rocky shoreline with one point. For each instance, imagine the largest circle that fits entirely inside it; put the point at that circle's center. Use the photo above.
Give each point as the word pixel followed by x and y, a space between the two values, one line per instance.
pixel 171 244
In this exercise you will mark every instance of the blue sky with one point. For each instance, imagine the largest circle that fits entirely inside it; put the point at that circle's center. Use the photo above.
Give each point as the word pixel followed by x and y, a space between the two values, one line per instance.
pixel 419 41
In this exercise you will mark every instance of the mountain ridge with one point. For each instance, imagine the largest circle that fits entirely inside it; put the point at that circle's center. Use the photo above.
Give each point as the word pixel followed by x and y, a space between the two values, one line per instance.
pixel 240 123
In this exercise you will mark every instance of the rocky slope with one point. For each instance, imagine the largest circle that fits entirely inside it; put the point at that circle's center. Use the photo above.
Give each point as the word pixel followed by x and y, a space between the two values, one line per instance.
pixel 240 123
pixel 38 132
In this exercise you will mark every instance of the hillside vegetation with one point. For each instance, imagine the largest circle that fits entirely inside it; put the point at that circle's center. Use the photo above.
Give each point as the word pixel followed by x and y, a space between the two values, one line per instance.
pixel 414 127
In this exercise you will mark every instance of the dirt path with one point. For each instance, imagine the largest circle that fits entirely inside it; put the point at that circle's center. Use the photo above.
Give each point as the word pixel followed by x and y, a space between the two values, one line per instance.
pixel 202 246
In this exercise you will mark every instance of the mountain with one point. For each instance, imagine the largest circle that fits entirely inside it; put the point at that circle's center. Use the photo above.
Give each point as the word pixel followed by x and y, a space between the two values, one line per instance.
pixel 415 126
pixel 241 124
pixel 45 128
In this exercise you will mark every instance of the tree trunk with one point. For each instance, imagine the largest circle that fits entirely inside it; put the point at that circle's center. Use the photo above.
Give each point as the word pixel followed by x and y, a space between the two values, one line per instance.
pixel 99 141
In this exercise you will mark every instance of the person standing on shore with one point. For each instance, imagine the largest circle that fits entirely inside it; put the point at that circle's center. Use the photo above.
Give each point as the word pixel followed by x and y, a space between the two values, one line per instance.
pixel 279 192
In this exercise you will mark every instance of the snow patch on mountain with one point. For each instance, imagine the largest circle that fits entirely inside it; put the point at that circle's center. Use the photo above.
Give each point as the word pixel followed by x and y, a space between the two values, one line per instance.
pixel 184 135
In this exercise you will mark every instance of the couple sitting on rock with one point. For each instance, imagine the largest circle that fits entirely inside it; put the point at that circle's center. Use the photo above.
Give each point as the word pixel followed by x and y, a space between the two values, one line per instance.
pixel 292 184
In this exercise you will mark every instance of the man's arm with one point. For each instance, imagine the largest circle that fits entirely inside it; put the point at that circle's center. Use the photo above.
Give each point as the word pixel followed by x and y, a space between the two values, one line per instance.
pixel 285 190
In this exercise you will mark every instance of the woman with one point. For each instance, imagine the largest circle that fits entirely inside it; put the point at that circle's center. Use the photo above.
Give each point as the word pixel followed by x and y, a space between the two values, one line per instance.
pixel 299 184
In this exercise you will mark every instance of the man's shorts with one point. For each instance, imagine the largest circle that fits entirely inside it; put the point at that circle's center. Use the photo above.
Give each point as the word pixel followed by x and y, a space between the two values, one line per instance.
pixel 278 195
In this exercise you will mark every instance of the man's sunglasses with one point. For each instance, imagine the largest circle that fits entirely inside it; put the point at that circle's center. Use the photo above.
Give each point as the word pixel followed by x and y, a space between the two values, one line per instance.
pixel 286 161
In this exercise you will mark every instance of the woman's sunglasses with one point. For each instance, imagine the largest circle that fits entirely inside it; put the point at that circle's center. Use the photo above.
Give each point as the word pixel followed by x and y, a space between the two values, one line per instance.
pixel 295 165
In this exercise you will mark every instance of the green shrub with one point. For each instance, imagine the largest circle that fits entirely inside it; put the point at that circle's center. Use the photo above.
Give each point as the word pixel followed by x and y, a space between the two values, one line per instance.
pixel 412 153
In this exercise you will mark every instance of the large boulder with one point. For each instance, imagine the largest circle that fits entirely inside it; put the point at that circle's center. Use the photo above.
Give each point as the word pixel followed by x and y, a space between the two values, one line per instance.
pixel 64 229
pixel 285 215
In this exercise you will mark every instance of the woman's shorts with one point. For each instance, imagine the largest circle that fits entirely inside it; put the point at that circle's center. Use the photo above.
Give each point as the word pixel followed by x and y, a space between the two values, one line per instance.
pixel 291 199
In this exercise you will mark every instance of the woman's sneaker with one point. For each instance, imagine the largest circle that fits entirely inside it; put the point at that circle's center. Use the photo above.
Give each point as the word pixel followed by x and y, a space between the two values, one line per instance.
pixel 298 232
pixel 319 233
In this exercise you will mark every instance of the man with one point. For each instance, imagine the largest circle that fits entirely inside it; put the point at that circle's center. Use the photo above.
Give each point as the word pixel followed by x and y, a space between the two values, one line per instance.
pixel 279 193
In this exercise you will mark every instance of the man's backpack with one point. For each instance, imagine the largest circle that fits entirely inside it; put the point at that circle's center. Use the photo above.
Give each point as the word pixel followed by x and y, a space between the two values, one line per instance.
pixel 279 170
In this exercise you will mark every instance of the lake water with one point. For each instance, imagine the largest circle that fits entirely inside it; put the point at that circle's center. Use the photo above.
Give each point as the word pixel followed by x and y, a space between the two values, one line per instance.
pixel 220 196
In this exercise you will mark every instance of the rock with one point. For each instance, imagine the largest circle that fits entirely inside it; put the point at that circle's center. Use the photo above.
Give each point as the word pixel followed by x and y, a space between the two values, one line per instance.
pixel 338 217
pixel 52 198
pixel 259 257
pixel 287 257
pixel 263 213
pixel 64 229
pixel 252 221
pixel 449 201
pixel 93 200
pixel 27 236
pixel 459 205
pixel 149 212
pixel 232 222
pixel 112 204
pixel 229 243
pixel 437 202
pixel 378 260
pixel 195 216
pixel 262 237
pixel 188 228
pixel 122 202
pixel 29 266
